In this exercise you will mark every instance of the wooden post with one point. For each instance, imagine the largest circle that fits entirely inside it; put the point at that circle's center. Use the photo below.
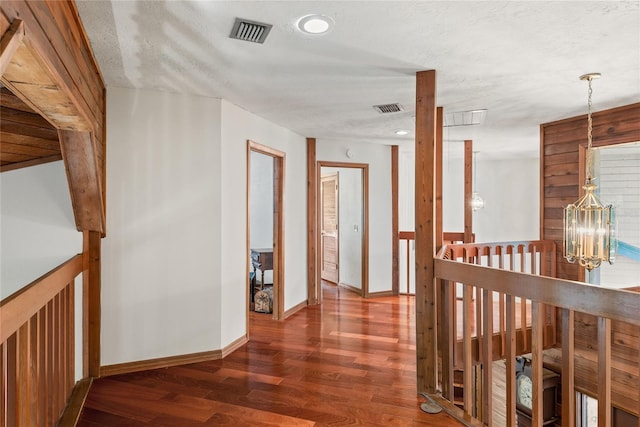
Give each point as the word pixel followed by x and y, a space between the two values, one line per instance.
pixel 91 303
pixel 468 188
pixel 426 345
pixel 439 230
pixel 313 286
pixel 395 242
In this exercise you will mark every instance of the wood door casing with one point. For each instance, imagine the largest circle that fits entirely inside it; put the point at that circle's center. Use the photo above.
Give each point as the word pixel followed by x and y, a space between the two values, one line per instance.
pixel 329 228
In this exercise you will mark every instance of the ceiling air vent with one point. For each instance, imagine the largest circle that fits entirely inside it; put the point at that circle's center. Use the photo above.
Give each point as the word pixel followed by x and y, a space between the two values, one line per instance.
pixel 250 31
pixel 388 108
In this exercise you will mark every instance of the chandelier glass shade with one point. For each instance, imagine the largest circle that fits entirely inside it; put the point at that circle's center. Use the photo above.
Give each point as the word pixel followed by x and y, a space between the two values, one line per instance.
pixel 590 227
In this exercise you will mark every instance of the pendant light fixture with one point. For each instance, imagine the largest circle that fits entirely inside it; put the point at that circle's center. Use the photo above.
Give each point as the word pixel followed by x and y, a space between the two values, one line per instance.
pixel 476 201
pixel 590 235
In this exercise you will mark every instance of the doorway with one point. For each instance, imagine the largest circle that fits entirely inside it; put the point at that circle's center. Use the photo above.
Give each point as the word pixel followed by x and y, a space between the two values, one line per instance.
pixel 343 237
pixel 265 231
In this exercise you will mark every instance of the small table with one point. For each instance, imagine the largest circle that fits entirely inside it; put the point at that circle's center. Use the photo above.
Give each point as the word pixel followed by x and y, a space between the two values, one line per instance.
pixel 262 259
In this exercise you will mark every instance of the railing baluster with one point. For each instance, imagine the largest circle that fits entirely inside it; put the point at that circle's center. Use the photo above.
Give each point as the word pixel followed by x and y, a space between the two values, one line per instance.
pixel 537 326
pixel 448 322
pixel 22 377
pixel 487 371
pixel 469 394
pixel 510 360
pixel 604 372
pixel 568 369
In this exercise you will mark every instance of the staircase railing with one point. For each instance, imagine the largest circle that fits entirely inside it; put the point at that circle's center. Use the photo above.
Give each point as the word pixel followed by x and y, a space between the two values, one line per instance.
pixel 512 284
pixel 37 335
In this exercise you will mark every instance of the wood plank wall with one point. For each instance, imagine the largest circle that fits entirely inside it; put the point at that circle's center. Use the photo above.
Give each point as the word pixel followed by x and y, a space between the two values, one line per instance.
pixel 562 146
pixel 560 168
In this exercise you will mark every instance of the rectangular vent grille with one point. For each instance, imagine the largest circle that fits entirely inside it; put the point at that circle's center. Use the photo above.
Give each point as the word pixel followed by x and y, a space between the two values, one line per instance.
pixel 388 108
pixel 250 31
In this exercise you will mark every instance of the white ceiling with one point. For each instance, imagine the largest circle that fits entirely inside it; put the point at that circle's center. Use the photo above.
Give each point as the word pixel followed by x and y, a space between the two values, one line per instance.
pixel 519 59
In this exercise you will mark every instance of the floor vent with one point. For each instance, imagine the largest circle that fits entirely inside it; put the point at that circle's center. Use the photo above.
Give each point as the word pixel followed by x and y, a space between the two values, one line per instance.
pixel 388 108
pixel 250 31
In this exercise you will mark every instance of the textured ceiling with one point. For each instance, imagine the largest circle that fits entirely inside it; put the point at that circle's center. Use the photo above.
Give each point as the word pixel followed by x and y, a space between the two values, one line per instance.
pixel 518 59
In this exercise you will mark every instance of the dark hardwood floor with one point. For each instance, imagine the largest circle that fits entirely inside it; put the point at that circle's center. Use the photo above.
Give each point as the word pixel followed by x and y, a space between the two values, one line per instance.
pixel 349 361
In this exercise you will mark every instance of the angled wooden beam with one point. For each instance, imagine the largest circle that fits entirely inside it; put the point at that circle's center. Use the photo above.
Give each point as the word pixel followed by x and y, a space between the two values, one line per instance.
pixel 78 153
pixel 425 205
pixel 9 43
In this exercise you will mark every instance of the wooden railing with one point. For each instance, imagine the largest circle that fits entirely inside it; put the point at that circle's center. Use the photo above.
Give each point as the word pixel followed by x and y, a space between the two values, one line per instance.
pixel 37 363
pixel 406 245
pixel 513 278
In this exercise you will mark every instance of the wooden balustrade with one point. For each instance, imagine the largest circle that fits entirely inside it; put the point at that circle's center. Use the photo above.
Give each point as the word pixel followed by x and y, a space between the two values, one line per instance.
pixel 408 237
pixel 516 280
pixel 37 363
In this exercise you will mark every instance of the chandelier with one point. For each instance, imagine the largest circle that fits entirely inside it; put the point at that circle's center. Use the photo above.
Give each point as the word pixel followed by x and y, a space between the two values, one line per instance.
pixel 590 226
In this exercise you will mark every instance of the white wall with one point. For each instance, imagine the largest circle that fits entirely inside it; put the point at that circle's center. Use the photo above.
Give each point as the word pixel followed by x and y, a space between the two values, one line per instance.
pixel 378 157
pixel 174 260
pixel 349 224
pixel 37 228
pixel 161 259
pixel 238 126
pixel 509 187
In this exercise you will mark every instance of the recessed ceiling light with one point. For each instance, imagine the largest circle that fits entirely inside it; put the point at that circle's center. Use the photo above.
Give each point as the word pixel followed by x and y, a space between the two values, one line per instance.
pixel 315 24
pixel 402 132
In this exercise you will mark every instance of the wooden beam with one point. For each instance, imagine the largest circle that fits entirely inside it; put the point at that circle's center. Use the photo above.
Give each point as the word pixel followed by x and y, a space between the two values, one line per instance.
pixel 313 286
pixel 84 178
pixel 91 284
pixel 9 43
pixel 395 228
pixel 468 188
pixel 425 205
pixel 34 162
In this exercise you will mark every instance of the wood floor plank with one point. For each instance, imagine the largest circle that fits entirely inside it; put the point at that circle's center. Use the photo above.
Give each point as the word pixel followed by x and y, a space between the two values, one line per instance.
pixel 349 361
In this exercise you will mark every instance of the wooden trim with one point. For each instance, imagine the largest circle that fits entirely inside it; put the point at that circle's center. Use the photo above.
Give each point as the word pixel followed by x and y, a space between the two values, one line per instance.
pixel 17 309
pixel 312 265
pixel 278 225
pixel 162 362
pixel 395 243
pixel 9 43
pixel 439 176
pixel 615 304
pixel 234 345
pixel 349 287
pixel 247 279
pixel 72 411
pixel 91 285
pixel 541 188
pixel 380 294
pixel 426 321
pixel 457 413
pixel 166 362
pixel 296 308
pixel 365 213
pixel 468 189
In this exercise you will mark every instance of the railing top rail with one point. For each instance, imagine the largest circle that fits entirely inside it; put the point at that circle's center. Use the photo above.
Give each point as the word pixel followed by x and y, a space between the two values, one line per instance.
pixel 613 304
pixel 505 247
pixel 18 307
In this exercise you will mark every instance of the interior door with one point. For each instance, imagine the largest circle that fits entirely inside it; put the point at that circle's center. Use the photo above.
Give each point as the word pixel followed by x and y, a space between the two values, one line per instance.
pixel 329 228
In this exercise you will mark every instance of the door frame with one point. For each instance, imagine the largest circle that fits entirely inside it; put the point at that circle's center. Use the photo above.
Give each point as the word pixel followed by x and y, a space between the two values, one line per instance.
pixel 364 167
pixel 278 227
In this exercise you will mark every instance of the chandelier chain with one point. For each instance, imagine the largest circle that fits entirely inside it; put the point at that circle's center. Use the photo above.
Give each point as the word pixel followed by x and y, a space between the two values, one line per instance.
pixel 589 135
